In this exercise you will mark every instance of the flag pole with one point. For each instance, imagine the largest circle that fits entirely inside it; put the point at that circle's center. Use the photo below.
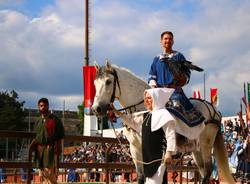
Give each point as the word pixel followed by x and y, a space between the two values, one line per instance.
pixel 248 103
pixel 90 121
pixel 244 90
pixel 204 83
pixel 241 118
pixel 86 32
pixel 246 96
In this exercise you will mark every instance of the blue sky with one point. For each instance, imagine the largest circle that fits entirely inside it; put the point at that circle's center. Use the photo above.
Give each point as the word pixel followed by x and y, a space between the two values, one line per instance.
pixel 42 44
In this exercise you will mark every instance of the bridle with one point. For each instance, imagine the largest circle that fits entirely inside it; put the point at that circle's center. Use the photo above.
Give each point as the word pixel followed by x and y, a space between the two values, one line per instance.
pixel 116 80
pixel 112 99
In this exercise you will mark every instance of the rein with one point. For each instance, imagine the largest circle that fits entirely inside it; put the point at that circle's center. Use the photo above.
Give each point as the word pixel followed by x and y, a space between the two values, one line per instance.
pixel 130 107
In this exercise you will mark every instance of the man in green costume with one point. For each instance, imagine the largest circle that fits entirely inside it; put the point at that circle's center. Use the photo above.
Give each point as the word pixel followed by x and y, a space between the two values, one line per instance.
pixel 47 144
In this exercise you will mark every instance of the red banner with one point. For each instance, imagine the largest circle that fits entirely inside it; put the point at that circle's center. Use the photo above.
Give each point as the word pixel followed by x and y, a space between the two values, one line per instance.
pixel 89 87
pixel 214 96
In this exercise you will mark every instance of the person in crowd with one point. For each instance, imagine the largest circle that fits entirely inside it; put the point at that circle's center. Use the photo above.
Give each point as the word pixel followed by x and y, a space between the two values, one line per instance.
pixel 73 176
pixel 237 127
pixel 23 174
pixel 2 173
pixel 244 161
pixel 47 143
pixel 215 174
pixel 121 135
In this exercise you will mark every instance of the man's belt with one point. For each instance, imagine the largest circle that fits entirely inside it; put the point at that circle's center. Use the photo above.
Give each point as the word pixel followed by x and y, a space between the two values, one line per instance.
pixel 168 86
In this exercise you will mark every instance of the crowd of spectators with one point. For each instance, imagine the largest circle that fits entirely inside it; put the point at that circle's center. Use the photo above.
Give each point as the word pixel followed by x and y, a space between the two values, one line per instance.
pixel 237 140
pixel 97 153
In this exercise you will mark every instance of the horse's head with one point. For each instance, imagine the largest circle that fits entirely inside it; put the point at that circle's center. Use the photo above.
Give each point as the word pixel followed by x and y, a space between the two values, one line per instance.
pixel 105 85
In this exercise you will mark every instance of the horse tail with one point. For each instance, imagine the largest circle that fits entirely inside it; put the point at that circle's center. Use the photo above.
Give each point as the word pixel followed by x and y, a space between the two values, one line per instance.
pixel 222 158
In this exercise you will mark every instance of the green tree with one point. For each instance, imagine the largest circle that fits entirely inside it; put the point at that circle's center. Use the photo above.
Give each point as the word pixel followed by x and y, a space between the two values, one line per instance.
pixel 81 117
pixel 12 113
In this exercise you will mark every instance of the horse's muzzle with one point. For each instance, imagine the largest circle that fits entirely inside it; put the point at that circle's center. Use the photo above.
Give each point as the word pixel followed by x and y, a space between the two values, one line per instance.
pixel 100 110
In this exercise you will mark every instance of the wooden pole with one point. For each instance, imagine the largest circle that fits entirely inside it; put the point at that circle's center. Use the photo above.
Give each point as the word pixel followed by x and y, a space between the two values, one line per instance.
pixel 86 32
pixel 204 82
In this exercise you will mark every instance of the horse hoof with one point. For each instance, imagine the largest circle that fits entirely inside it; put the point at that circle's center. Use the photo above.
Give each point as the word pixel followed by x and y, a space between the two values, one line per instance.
pixel 168 161
pixel 168 158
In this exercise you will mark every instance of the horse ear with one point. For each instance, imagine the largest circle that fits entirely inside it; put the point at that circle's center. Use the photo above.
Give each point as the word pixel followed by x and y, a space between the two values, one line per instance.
pixel 108 65
pixel 96 66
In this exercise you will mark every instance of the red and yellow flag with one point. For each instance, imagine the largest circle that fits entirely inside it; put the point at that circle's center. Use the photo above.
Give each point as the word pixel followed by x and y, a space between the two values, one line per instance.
pixel 214 96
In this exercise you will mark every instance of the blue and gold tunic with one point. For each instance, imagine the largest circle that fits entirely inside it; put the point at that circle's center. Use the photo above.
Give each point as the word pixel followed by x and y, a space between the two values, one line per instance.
pixel 160 75
pixel 160 71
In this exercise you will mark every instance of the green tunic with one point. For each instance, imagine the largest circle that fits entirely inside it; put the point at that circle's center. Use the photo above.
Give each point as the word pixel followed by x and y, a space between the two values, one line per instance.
pixel 49 132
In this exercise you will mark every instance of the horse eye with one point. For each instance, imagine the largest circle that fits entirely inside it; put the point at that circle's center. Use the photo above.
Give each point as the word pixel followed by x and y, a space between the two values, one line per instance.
pixel 108 82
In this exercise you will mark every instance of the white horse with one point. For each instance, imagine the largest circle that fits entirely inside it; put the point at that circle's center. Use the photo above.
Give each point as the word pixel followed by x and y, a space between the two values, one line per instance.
pixel 113 82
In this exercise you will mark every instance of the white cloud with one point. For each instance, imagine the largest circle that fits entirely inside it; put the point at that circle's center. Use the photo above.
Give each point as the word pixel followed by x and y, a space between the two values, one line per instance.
pixel 57 102
pixel 48 50
pixel 13 2
pixel 40 50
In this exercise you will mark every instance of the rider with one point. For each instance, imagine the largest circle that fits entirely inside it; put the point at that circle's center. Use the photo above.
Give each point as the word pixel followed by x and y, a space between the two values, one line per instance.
pixel 157 127
pixel 162 75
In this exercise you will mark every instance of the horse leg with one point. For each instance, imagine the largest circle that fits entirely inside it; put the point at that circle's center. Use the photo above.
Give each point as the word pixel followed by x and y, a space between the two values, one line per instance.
pixel 208 169
pixel 138 166
pixel 197 156
pixel 204 164
pixel 207 139
pixel 136 154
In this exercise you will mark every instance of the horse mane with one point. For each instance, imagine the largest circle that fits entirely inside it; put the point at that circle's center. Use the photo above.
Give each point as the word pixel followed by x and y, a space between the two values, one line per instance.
pixel 130 74
pixel 103 70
